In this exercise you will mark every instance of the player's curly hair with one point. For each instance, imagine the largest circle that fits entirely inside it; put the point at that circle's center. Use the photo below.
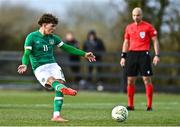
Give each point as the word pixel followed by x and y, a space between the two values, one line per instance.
pixel 48 18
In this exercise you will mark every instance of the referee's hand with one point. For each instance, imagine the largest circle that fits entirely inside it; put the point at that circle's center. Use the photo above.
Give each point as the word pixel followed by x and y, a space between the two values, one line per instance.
pixel 122 62
pixel 156 60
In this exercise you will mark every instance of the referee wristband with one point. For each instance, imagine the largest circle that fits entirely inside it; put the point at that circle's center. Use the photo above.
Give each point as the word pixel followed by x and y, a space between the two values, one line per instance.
pixel 123 55
pixel 157 55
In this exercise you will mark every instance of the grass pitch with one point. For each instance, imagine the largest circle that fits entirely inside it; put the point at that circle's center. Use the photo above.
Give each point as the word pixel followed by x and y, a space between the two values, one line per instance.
pixel 30 108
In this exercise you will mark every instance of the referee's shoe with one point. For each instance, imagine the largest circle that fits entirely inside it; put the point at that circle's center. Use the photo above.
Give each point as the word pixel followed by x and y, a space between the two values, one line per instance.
pixel 130 108
pixel 149 108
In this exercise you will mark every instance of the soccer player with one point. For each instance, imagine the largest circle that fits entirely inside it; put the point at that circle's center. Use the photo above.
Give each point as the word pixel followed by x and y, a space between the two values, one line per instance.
pixel 136 56
pixel 38 48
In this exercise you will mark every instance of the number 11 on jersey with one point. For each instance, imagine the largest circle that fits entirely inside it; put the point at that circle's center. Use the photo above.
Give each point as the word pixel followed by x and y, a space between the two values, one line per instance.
pixel 45 47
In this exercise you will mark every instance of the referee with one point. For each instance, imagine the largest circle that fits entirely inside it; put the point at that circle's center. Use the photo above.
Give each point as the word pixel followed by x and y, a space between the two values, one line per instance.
pixel 135 55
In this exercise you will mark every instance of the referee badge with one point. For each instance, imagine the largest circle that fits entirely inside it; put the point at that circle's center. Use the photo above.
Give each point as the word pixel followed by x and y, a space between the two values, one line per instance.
pixel 142 34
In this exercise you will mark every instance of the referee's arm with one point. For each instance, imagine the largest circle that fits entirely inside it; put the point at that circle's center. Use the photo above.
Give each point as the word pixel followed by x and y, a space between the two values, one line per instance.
pixel 156 45
pixel 125 46
pixel 124 52
pixel 156 58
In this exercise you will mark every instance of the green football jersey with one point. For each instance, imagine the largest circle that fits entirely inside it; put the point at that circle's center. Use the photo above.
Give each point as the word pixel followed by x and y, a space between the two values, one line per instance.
pixel 42 47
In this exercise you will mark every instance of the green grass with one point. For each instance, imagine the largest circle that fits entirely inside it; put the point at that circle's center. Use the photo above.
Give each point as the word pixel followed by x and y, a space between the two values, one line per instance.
pixel 29 108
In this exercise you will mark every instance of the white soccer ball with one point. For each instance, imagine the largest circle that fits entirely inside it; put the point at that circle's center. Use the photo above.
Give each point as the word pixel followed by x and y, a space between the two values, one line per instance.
pixel 119 113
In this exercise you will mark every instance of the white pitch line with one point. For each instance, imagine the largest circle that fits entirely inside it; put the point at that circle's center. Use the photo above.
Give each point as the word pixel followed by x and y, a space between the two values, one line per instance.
pixel 85 105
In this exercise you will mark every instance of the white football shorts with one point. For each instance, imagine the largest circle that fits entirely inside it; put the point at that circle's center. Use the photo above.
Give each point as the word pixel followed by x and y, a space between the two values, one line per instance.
pixel 43 72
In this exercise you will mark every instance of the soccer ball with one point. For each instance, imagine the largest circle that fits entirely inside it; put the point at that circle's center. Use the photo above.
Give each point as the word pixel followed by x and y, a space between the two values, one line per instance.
pixel 119 113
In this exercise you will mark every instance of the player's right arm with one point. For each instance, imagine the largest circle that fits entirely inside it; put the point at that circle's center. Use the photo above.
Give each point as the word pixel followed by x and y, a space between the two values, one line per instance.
pixel 25 61
pixel 25 58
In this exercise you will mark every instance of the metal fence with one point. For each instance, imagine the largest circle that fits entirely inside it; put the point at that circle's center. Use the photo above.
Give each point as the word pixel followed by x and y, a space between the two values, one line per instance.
pixel 165 78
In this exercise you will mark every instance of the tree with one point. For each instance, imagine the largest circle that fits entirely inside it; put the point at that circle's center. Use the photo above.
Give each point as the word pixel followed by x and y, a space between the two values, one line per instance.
pixel 14 23
pixel 153 12
pixel 91 15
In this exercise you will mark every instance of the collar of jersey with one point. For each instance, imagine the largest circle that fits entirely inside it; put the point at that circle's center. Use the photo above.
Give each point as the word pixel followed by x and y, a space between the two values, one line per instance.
pixel 139 23
pixel 40 34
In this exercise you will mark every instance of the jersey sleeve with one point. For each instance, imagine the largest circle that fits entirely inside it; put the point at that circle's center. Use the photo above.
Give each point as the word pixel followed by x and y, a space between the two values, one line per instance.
pixel 152 31
pixel 72 50
pixel 126 34
pixel 25 58
pixel 27 49
pixel 58 41
pixel 28 42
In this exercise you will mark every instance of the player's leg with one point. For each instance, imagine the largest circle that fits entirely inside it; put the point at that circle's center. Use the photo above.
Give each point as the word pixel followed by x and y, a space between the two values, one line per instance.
pixel 58 102
pixel 44 75
pixel 57 80
pixel 60 90
pixel 130 92
pixel 149 91
pixel 58 85
pixel 67 90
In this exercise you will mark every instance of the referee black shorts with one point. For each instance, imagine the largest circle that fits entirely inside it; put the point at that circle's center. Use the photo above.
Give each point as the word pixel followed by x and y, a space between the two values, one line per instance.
pixel 138 62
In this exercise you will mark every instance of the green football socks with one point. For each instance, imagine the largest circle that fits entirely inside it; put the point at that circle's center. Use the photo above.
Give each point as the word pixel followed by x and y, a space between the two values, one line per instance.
pixel 58 86
pixel 58 102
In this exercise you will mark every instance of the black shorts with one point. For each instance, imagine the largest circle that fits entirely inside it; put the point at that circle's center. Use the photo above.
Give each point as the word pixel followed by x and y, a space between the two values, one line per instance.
pixel 138 62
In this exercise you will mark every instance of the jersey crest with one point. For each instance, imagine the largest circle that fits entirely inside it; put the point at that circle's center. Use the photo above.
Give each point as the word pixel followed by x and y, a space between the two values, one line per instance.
pixel 142 34
pixel 43 80
pixel 51 41
pixel 37 42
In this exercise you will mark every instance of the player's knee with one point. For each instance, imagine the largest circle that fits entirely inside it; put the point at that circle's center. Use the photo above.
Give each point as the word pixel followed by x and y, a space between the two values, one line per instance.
pixel 50 80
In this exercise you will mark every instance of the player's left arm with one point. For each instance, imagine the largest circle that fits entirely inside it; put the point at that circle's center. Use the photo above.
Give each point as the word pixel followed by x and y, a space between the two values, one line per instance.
pixel 72 50
pixel 156 58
